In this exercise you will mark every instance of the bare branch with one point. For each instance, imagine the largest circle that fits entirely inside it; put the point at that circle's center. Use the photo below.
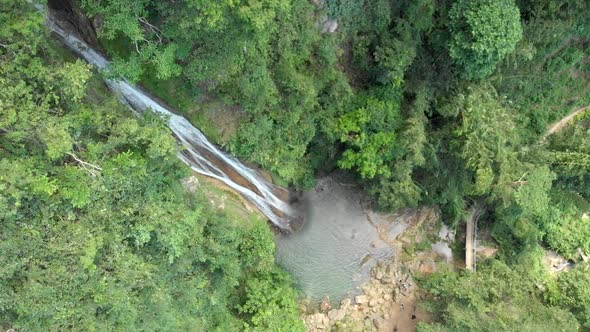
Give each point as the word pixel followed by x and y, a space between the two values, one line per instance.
pixel 522 177
pixel 152 27
pixel 6 47
pixel 92 169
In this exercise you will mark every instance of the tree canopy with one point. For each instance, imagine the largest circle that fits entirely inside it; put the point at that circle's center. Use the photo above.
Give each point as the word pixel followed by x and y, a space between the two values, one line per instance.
pixel 97 231
pixel 483 33
pixel 440 103
pixel 495 298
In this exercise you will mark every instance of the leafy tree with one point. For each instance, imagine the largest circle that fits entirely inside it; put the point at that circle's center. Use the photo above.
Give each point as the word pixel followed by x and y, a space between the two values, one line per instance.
pixel 400 189
pixel 483 33
pixel 559 208
pixel 568 154
pixel 270 305
pixel 369 133
pixel 96 231
pixel 495 298
pixel 572 292
pixel 545 77
pixel 484 136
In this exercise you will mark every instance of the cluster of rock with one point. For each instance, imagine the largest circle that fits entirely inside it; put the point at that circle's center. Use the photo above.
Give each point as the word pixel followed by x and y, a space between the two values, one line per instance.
pixel 388 293
pixel 388 300
pixel 325 321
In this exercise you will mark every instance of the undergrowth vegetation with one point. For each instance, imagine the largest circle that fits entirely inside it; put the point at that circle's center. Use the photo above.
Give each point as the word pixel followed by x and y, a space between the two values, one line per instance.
pixel 443 103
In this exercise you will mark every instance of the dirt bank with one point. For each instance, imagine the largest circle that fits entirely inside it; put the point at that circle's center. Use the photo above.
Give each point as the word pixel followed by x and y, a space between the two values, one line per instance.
pixel 559 125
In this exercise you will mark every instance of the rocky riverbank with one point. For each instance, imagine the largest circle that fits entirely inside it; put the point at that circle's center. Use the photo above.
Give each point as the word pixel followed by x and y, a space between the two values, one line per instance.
pixel 389 301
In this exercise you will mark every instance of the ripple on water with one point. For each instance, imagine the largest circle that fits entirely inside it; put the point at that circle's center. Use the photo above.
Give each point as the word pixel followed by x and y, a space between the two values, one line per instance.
pixel 338 245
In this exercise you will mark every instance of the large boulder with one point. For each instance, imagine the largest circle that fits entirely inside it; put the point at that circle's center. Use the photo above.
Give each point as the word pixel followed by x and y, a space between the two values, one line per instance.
pixel 336 314
pixel 345 304
pixel 361 299
pixel 373 302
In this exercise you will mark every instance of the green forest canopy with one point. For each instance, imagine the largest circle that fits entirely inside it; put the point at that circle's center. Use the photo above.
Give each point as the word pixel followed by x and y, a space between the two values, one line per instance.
pixel 97 232
pixel 428 102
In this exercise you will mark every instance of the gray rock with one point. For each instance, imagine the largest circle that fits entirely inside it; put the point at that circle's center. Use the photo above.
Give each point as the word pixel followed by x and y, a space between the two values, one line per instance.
pixel 336 314
pixel 319 3
pixel 317 319
pixel 330 26
pixel 191 184
pixel 373 302
pixel 325 305
pixel 345 304
pixel 361 299
pixel 378 322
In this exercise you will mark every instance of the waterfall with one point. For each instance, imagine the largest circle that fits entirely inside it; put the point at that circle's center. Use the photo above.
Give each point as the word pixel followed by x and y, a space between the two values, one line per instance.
pixel 198 153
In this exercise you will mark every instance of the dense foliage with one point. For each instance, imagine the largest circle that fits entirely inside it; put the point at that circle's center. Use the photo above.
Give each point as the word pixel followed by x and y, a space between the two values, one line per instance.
pixel 268 56
pixel 445 103
pixel 497 298
pixel 442 103
pixel 96 231
pixel 426 101
pixel 483 33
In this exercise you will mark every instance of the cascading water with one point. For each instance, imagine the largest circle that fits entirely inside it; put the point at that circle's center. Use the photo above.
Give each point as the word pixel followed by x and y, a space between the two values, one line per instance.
pixel 202 156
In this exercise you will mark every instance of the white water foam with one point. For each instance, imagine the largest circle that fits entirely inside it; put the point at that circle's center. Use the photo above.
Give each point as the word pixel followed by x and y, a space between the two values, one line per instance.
pixel 196 146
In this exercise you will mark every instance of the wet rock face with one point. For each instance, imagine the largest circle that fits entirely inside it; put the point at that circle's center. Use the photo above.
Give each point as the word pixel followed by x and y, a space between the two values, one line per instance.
pixel 98 23
pixel 68 11
pixel 295 198
pixel 297 203
pixel 64 5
